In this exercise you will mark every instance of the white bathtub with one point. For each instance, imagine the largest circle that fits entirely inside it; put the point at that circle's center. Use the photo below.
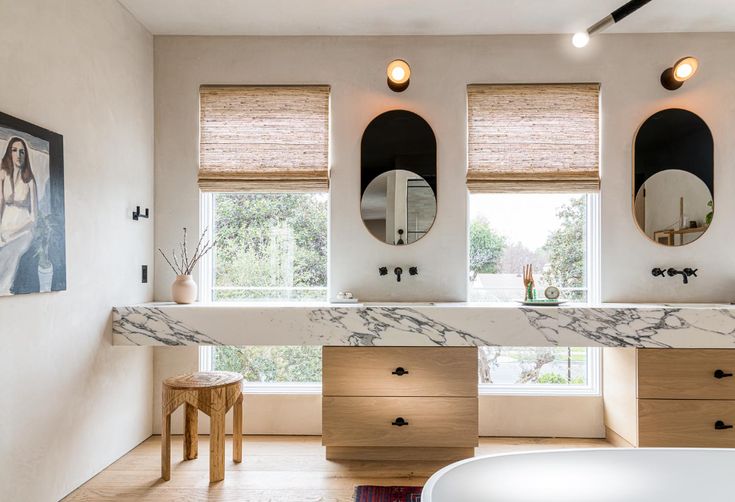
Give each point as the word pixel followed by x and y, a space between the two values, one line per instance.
pixel 591 475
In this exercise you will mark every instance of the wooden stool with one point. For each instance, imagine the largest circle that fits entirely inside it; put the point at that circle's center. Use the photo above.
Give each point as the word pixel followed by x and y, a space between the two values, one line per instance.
pixel 213 392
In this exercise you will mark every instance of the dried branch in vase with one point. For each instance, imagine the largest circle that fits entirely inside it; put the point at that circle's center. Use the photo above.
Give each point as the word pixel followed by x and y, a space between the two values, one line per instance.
pixel 183 264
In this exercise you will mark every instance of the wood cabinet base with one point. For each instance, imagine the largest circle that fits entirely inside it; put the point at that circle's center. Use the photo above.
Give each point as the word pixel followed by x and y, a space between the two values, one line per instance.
pixel 391 453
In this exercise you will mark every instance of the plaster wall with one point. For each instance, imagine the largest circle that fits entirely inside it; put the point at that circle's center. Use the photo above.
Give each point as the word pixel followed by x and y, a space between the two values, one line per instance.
pixel 71 402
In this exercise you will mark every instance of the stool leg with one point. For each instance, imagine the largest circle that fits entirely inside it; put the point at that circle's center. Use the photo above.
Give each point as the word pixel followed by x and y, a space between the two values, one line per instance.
pixel 191 439
pixel 217 437
pixel 237 430
pixel 166 447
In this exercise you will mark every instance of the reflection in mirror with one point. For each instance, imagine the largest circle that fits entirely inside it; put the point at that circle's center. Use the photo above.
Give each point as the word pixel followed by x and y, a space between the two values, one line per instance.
pixel 673 207
pixel 398 207
pixel 673 177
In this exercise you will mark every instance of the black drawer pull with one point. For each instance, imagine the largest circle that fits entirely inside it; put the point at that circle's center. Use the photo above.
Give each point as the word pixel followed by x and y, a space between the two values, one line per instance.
pixel 400 422
pixel 722 374
pixel 399 371
pixel 720 425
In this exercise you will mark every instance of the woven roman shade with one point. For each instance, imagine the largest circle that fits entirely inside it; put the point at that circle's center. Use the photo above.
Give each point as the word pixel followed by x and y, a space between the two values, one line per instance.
pixel 264 138
pixel 533 138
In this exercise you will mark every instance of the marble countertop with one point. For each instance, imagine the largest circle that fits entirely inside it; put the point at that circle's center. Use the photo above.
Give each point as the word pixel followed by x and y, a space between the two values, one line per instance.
pixel 689 325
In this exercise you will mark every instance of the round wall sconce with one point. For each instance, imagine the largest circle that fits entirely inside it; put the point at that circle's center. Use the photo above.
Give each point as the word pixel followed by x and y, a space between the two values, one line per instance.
pixel 399 74
pixel 684 69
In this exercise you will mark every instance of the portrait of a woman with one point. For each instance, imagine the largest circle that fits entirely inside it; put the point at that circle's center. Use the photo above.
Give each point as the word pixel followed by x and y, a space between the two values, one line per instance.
pixel 18 209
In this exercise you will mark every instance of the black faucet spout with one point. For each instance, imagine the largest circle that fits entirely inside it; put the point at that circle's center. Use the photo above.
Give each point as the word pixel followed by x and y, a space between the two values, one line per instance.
pixel 673 272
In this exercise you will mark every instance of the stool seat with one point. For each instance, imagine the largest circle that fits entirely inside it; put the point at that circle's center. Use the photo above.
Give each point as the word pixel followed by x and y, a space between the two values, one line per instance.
pixel 203 379
pixel 213 393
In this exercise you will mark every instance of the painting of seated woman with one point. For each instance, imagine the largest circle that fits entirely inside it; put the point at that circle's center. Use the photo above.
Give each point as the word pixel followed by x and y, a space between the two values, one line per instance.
pixel 32 234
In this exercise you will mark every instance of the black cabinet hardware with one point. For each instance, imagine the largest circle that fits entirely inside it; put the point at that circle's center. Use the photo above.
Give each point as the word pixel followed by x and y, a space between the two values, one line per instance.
pixel 399 371
pixel 720 425
pixel 400 422
pixel 722 374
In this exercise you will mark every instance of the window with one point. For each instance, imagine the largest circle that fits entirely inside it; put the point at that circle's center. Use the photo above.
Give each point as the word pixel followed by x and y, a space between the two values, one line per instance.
pixel 556 233
pixel 263 164
pixel 270 247
pixel 548 231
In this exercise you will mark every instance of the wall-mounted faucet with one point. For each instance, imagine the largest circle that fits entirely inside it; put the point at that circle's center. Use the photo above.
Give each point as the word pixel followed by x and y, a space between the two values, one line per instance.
pixel 398 271
pixel 671 272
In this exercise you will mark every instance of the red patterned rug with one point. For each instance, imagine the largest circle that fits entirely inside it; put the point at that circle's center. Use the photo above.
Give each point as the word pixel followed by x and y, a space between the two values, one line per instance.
pixel 388 494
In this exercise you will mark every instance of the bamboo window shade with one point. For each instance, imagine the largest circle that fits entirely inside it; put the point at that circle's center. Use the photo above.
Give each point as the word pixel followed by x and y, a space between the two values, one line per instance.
pixel 533 138
pixel 264 138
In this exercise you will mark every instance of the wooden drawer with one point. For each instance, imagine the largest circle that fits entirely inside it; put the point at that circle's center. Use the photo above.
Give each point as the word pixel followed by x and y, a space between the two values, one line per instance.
pixel 685 423
pixel 685 374
pixel 432 421
pixel 368 371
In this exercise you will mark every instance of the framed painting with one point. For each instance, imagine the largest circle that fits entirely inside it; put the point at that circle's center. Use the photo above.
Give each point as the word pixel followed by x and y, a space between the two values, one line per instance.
pixel 32 224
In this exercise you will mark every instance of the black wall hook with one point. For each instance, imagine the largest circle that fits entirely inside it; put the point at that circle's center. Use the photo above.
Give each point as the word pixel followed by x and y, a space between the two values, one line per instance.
pixel 137 214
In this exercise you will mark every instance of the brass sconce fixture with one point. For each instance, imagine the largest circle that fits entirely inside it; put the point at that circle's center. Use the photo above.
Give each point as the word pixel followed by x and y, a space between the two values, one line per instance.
pixel 684 69
pixel 399 75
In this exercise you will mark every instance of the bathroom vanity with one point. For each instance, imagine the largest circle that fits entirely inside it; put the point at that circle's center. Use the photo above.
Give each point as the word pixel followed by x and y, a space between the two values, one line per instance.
pixel 669 397
pixel 400 380
pixel 399 403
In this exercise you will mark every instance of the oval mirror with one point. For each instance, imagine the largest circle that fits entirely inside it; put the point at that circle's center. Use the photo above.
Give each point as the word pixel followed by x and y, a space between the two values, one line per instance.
pixel 398 177
pixel 673 175
pixel 398 207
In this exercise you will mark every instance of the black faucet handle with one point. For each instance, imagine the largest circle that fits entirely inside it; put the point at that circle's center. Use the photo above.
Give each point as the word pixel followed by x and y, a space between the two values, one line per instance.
pixel 383 270
pixel 657 272
pixel 691 272
pixel 413 270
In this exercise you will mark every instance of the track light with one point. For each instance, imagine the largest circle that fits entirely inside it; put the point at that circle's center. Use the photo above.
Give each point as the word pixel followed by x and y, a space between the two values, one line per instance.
pixel 581 38
pixel 399 75
pixel 684 69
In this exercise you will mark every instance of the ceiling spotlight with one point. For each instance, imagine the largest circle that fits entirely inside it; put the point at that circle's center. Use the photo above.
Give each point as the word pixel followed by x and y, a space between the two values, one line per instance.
pixel 581 39
pixel 684 69
pixel 399 74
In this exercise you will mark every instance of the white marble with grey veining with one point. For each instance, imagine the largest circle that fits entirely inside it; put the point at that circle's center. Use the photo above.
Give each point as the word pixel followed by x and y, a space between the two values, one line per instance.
pixel 450 324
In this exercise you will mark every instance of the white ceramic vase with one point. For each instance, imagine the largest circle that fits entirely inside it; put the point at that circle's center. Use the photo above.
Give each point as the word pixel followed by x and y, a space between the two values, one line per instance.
pixel 184 289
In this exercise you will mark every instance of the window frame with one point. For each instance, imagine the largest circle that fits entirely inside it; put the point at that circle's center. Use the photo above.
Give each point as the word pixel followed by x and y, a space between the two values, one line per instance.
pixel 592 281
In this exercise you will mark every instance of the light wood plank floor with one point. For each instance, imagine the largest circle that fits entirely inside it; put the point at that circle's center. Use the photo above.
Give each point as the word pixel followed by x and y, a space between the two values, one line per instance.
pixel 274 469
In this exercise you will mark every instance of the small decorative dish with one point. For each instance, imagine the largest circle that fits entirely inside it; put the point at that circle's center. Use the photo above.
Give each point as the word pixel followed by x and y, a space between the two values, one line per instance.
pixel 542 302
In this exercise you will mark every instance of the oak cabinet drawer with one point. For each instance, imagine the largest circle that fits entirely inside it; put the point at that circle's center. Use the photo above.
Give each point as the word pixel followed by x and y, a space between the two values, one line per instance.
pixel 685 423
pixel 685 373
pixel 399 371
pixel 368 421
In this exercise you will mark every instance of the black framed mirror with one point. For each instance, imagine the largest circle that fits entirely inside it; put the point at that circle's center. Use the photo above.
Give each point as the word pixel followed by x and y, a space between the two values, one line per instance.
pixel 673 177
pixel 398 177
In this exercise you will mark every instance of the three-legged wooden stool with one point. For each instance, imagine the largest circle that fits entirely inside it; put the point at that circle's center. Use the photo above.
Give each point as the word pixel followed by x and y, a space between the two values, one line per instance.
pixel 213 392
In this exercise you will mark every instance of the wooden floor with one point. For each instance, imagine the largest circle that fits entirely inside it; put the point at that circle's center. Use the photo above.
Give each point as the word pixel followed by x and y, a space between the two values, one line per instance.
pixel 274 469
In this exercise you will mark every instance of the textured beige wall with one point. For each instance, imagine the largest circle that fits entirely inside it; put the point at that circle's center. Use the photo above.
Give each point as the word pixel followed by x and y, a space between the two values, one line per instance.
pixel 71 403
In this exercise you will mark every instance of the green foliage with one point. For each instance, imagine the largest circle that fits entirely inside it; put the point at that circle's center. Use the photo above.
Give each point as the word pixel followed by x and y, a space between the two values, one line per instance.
pixel 272 364
pixel 565 247
pixel 553 378
pixel 486 248
pixel 270 240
